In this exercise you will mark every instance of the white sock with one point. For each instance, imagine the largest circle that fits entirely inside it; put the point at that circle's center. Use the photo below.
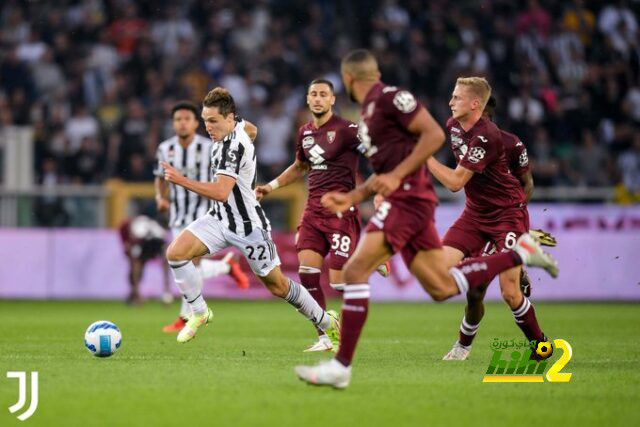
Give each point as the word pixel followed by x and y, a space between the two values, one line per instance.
pixel 212 268
pixel 190 284
pixel 185 310
pixel 302 300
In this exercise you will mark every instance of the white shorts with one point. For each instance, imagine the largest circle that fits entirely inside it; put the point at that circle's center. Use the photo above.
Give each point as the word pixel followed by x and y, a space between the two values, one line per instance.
pixel 257 248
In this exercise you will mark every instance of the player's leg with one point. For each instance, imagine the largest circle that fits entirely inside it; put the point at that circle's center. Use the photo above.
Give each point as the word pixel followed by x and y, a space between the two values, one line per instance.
pixel 473 313
pixel 312 245
pixel 201 237
pixel 523 312
pixel 310 265
pixel 136 265
pixel 371 251
pixel 298 296
pixel 429 267
pixel 262 256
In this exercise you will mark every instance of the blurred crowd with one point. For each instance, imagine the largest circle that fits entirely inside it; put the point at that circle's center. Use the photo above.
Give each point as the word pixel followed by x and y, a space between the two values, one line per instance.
pixel 97 78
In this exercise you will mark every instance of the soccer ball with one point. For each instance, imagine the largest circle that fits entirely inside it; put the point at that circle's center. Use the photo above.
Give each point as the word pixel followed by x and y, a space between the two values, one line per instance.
pixel 544 349
pixel 103 338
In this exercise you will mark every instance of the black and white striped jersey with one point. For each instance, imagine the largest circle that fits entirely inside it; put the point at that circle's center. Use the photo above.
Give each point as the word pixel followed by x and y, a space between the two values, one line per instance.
pixel 195 163
pixel 235 156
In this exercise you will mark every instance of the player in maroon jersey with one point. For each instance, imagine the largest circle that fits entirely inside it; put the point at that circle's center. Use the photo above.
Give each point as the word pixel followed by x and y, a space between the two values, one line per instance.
pixel 495 209
pixel 327 151
pixel 142 239
pixel 518 161
pixel 398 135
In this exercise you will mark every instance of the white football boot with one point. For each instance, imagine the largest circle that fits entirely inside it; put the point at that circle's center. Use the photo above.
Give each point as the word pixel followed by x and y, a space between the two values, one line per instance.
pixel 532 254
pixel 323 344
pixel 458 352
pixel 328 372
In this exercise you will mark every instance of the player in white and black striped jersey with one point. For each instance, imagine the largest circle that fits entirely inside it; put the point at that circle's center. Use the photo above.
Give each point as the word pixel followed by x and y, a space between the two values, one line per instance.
pixel 190 153
pixel 236 220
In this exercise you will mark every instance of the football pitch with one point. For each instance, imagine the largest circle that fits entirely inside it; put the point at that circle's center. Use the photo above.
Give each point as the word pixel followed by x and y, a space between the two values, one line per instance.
pixel 239 369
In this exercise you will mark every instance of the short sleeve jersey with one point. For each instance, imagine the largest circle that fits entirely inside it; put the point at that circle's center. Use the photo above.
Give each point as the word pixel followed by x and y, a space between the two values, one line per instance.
pixel 331 152
pixel 517 157
pixel 385 139
pixel 481 150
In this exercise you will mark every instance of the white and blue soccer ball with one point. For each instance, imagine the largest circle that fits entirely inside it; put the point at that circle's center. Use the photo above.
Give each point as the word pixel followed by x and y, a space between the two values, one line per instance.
pixel 103 338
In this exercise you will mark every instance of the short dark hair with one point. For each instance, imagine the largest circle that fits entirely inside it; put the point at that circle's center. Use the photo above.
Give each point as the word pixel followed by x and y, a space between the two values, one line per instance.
pixel 221 98
pixel 490 108
pixel 185 105
pixel 357 56
pixel 321 81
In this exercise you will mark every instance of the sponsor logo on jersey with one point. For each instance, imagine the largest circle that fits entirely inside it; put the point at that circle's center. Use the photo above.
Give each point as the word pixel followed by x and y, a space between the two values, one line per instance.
pixel 476 154
pixel 306 132
pixel 307 142
pixel 315 155
pixel 331 136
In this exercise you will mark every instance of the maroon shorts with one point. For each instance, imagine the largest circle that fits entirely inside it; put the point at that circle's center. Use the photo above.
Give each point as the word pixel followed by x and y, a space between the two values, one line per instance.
pixel 408 226
pixel 474 235
pixel 335 236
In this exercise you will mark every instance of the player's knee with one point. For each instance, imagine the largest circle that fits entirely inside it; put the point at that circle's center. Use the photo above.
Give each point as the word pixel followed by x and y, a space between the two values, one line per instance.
pixel 174 253
pixel 354 271
pixel 475 296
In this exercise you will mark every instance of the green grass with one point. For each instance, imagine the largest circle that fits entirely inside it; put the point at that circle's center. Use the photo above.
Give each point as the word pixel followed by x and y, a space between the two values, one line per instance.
pixel 239 370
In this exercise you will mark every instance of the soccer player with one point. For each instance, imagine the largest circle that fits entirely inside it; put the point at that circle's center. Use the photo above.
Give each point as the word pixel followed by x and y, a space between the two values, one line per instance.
pixel 190 152
pixel 143 239
pixel 498 184
pixel 236 219
pixel 327 149
pixel 398 135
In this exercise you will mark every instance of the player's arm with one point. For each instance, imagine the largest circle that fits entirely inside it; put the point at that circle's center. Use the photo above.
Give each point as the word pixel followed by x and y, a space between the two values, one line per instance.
pixel 338 202
pixel 218 190
pixel 453 179
pixel 526 179
pixel 297 170
pixel 430 138
pixel 162 193
pixel 251 130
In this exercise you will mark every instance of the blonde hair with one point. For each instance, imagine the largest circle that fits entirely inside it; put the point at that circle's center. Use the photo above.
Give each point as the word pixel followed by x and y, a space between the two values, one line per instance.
pixel 478 85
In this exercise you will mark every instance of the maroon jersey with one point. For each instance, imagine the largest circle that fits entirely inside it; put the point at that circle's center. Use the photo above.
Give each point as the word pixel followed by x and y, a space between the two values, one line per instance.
pixel 516 153
pixel 481 150
pixel 385 140
pixel 331 151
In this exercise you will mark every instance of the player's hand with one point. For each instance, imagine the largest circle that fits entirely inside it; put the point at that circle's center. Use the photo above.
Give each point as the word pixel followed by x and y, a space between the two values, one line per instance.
pixel 377 200
pixel 385 184
pixel 263 190
pixel 336 202
pixel 162 204
pixel 171 174
pixel 544 237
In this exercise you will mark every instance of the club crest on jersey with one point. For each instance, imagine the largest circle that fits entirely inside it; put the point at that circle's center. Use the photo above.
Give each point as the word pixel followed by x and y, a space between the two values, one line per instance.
pixel 307 142
pixel 331 136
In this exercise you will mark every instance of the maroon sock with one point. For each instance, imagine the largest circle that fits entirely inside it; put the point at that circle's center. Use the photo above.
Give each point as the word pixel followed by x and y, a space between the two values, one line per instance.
pixel 480 271
pixel 525 316
pixel 311 281
pixel 354 313
pixel 467 332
